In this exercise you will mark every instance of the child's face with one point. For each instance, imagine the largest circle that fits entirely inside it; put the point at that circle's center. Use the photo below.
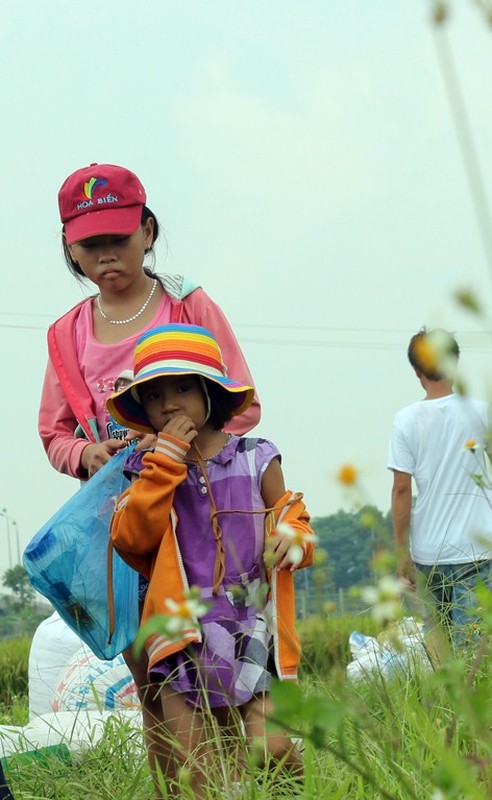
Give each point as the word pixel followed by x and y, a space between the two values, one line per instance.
pixel 113 262
pixel 164 398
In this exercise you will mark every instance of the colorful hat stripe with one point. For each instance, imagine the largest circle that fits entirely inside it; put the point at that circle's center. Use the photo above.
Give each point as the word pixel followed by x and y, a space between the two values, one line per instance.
pixel 190 343
pixel 194 333
pixel 174 349
pixel 175 356
pixel 180 365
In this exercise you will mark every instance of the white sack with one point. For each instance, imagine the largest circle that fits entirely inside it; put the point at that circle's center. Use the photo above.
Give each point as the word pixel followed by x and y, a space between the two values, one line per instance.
pixel 52 647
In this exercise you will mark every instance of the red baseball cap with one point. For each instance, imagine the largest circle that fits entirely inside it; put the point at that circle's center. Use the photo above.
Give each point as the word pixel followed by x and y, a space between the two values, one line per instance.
pixel 100 199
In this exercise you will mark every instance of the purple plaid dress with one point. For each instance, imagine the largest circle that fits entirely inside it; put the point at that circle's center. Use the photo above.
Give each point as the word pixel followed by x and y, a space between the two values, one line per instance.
pixel 234 662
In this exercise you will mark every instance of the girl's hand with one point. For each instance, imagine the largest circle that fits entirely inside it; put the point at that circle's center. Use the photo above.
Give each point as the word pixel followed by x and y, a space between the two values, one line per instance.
pixel 181 427
pixel 146 441
pixel 94 456
pixel 277 551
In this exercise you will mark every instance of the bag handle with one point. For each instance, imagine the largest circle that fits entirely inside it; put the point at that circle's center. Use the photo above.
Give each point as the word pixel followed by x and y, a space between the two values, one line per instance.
pixel 110 591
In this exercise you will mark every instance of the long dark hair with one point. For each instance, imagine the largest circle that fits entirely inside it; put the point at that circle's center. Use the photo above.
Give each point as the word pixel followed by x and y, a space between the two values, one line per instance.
pixel 222 404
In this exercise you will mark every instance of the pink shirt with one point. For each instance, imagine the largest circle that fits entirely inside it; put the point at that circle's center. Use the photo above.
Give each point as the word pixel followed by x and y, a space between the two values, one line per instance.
pixel 101 364
pixel 66 402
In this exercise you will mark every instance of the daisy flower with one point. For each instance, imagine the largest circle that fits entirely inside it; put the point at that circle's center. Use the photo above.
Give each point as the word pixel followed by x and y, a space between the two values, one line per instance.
pixel 385 598
pixel 295 552
pixel 347 475
pixel 181 616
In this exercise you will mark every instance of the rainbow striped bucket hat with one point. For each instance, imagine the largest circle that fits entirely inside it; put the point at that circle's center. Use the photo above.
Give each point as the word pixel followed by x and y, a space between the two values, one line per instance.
pixel 174 349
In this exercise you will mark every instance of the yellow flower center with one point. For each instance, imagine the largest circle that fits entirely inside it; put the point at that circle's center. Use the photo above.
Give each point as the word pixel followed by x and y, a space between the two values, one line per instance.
pixel 183 611
pixel 426 355
pixel 347 475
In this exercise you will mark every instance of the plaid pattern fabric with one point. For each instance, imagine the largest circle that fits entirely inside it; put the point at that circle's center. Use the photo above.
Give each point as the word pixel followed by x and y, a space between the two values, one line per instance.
pixel 232 665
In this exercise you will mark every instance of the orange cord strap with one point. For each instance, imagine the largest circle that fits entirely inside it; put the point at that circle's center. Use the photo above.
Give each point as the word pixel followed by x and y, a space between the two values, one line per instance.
pixel 270 521
pixel 219 565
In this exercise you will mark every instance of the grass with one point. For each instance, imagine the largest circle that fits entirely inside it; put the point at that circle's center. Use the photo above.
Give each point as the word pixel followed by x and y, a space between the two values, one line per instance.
pixel 14 655
pixel 420 734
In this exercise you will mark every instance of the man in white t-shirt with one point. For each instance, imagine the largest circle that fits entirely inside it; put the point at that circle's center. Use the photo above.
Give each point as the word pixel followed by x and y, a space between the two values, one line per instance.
pixel 445 539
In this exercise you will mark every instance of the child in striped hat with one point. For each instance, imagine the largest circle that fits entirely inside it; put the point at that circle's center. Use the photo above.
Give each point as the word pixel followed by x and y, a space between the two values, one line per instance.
pixel 203 509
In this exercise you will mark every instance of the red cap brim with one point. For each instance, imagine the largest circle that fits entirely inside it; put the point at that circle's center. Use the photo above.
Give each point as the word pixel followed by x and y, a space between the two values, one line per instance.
pixel 108 221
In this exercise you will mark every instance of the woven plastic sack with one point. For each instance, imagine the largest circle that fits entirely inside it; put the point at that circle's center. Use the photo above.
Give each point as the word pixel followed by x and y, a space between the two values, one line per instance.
pixel 52 646
pixel 92 684
pixel 67 562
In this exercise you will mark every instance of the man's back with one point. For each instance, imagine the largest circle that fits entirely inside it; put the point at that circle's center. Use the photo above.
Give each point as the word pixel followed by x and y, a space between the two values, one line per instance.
pixel 452 516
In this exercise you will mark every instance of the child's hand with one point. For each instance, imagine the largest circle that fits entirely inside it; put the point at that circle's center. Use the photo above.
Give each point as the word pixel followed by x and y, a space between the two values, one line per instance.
pixel 181 427
pixel 277 551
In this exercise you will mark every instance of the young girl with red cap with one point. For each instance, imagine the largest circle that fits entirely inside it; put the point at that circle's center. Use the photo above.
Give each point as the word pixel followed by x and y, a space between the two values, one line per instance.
pixel 108 231
pixel 204 512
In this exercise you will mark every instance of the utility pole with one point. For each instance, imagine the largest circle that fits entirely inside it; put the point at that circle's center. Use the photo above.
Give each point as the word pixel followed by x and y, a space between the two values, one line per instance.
pixel 6 517
pixel 8 520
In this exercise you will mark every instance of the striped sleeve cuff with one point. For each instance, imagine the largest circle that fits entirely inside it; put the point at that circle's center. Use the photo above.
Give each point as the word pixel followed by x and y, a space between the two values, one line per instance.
pixel 171 447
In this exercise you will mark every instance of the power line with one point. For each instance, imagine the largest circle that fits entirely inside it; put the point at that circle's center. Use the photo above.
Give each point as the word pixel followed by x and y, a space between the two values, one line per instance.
pixel 24 314
pixel 290 342
pixel 310 343
pixel 23 327
pixel 257 326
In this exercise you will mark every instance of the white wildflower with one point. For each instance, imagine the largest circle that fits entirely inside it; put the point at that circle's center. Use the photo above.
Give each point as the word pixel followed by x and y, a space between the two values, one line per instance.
pixel 440 343
pixel 471 446
pixel 295 553
pixel 185 614
pixel 385 598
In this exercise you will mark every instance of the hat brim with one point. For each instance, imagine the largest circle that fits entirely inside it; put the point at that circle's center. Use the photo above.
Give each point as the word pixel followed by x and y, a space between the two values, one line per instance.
pixel 107 221
pixel 127 410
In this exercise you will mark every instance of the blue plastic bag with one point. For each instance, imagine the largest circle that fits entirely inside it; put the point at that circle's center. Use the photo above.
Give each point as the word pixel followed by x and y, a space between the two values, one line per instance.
pixel 70 560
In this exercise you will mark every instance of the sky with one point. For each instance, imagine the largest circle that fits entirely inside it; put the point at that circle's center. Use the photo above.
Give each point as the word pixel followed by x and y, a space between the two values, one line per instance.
pixel 304 161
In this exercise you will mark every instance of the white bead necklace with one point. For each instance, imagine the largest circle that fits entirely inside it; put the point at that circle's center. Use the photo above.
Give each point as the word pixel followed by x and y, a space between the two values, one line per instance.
pixel 213 455
pixel 130 319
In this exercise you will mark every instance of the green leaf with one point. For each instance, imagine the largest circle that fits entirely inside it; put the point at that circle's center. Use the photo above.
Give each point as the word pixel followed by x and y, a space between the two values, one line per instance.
pixel 287 699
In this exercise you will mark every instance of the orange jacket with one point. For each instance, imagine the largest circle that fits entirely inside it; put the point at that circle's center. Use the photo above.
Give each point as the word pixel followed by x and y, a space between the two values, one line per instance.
pixel 143 530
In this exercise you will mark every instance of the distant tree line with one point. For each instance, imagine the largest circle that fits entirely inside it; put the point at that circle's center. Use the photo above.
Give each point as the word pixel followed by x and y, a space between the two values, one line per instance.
pixel 347 543
pixel 350 540
pixel 20 611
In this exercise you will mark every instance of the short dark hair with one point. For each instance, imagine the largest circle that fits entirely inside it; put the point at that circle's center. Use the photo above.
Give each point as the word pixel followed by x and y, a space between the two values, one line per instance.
pixel 427 348
pixel 222 404
pixel 75 268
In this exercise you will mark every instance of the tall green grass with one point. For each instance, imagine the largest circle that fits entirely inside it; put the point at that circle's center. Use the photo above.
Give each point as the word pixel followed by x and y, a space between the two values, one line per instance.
pixel 420 734
pixel 14 655
pixel 325 640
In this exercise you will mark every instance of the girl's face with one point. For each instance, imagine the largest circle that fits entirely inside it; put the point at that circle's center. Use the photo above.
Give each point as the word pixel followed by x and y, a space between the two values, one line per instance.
pixel 164 398
pixel 110 261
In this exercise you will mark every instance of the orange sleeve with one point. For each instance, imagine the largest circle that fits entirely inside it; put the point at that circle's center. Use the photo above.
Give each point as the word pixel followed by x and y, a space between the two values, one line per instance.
pixel 144 509
pixel 291 509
